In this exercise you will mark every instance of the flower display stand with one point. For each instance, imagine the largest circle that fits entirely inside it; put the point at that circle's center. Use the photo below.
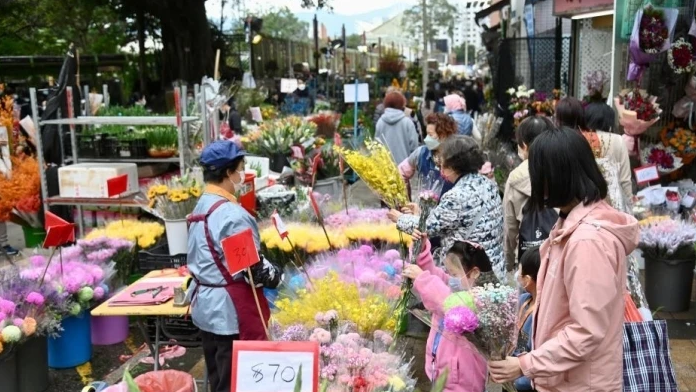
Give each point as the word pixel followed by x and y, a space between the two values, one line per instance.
pixel 668 282
pixel 8 371
pixel 177 236
pixel 33 237
pixel 32 365
pixel 108 330
pixel 74 345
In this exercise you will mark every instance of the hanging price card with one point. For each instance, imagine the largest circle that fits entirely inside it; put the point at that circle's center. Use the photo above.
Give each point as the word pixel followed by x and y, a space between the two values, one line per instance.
pixel 240 251
pixel 259 366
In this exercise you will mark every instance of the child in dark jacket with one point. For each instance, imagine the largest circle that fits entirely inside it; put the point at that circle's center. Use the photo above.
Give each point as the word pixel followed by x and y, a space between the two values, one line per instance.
pixel 528 270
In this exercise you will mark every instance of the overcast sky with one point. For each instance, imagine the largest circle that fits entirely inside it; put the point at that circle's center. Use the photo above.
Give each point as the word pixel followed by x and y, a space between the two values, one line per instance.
pixel 340 6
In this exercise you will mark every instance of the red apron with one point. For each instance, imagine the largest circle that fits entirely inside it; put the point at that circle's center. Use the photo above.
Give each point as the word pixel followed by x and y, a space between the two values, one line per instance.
pixel 241 294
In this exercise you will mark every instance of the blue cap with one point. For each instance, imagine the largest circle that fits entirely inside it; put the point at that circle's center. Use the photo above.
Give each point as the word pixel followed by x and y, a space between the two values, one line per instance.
pixel 220 154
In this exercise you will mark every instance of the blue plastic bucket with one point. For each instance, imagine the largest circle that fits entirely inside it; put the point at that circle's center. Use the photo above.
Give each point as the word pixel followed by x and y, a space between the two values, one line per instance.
pixel 74 346
pixel 271 296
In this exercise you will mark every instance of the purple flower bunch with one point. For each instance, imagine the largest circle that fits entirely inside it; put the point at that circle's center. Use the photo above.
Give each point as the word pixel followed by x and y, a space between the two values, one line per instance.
pixel 595 82
pixel 293 333
pixel 664 238
pixel 461 320
pixel 496 310
pixel 356 215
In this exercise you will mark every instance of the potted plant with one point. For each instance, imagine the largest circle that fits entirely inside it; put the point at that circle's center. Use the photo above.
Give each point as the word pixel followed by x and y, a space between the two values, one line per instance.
pixel 162 141
pixel 668 250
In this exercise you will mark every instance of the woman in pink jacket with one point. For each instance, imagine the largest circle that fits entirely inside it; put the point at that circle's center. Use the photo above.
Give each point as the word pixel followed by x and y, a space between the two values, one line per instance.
pixel 466 265
pixel 578 322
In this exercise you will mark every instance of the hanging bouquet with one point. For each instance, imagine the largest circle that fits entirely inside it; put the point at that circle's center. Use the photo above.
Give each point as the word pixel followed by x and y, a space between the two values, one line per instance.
pixel 278 136
pixel 651 34
pixel 26 212
pixel 637 111
pixel 519 102
pixel 595 82
pixel 667 238
pixel 680 57
pixel 377 169
pixel 174 198
pixel 681 139
pixel 487 317
pixel 144 234
pixel 663 157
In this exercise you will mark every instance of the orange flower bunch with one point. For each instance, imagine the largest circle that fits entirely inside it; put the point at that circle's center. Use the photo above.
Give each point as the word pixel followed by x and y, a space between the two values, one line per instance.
pixel 29 204
pixel 7 115
pixel 23 183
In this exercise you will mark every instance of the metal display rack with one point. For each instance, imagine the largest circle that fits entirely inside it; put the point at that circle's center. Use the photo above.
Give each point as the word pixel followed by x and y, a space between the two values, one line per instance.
pixel 180 120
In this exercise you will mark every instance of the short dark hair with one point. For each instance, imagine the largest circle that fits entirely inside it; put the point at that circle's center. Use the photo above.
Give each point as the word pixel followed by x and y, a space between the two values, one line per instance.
pixel 218 175
pixel 395 100
pixel 461 154
pixel 531 127
pixel 562 169
pixel 530 262
pixel 471 256
pixel 569 113
pixel 599 117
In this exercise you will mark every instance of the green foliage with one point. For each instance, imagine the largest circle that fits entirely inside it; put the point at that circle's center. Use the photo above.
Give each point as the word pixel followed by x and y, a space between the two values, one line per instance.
pixel 282 23
pixel 161 137
pixel 353 41
pixel 461 54
pixel 129 382
pixel 439 384
pixel 248 98
pixel 132 111
pixel 298 383
pixel 440 16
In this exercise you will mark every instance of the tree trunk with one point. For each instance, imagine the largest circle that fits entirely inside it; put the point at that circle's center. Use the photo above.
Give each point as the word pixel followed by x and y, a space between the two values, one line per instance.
pixel 186 40
pixel 140 19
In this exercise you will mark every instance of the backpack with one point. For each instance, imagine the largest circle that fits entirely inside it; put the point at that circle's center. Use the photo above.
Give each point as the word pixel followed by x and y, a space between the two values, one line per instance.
pixel 535 228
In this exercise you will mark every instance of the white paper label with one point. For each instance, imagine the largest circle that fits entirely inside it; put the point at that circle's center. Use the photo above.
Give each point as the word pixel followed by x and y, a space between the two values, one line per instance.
pixel 646 174
pixel 273 371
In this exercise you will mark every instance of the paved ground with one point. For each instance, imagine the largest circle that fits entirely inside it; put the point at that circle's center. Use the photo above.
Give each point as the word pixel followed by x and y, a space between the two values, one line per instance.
pixel 106 359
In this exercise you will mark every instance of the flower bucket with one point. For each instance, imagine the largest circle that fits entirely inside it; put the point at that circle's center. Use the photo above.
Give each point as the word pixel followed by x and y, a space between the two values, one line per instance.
pixel 33 237
pixel 8 370
pixel 32 365
pixel 278 162
pixel 668 283
pixel 74 345
pixel 248 199
pixel 177 236
pixel 108 330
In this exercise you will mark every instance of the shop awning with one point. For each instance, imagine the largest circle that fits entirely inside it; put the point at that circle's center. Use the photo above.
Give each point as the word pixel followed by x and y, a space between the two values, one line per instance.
pixel 487 11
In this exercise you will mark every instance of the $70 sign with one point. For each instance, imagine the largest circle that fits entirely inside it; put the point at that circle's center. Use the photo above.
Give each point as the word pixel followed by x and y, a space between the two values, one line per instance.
pixel 259 366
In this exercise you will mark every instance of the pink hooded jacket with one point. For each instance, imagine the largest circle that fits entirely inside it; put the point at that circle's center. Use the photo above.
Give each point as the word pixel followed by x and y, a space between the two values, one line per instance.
pixel 578 322
pixel 467 368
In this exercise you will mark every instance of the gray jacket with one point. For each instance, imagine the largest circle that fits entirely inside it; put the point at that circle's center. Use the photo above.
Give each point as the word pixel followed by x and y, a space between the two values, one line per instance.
pixel 398 133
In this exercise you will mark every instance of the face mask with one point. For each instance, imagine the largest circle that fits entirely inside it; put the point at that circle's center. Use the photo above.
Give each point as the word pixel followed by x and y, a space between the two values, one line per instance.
pixel 455 284
pixel 431 143
pixel 238 186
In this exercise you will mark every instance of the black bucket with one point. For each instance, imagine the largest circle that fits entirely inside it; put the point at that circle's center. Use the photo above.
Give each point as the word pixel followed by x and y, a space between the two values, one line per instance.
pixel 278 162
pixel 32 365
pixel 668 282
pixel 8 370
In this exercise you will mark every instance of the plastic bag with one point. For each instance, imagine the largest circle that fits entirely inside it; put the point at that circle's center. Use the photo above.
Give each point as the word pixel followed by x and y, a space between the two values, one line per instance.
pixel 631 313
pixel 160 381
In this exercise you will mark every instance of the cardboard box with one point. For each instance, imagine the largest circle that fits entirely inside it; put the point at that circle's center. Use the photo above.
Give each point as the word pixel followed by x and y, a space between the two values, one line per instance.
pixel 88 180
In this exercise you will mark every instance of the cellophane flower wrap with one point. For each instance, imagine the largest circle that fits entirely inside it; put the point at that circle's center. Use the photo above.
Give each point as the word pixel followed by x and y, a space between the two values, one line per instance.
pixel 684 108
pixel 174 198
pixel 652 31
pixel 664 157
pixel 428 198
pixel 26 211
pixel 637 111
pixel 487 317
pixel 377 169
pixel 666 238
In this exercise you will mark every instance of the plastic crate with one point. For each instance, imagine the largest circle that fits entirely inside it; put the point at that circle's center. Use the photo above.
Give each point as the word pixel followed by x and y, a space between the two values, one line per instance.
pixel 158 258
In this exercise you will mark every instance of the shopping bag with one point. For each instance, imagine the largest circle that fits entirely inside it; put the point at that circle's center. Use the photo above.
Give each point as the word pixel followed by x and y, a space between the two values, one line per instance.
pixel 647 365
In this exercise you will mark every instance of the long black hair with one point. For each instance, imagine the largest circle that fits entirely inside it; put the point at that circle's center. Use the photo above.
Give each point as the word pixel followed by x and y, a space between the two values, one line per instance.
pixel 562 169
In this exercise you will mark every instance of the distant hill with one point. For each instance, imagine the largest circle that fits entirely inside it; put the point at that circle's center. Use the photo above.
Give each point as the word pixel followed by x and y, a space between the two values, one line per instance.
pixel 355 24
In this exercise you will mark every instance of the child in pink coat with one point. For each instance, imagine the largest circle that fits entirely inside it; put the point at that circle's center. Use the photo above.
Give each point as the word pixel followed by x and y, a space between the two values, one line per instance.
pixel 466 265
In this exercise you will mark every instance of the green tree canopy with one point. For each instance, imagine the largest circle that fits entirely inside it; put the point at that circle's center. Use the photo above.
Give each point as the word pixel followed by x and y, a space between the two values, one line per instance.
pixel 282 23
pixel 440 17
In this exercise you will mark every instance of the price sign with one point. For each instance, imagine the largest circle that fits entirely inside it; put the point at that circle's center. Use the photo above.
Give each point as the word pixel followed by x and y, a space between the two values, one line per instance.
pixel 315 205
pixel 297 152
pixel 240 251
pixel 279 225
pixel 259 366
pixel 117 185
pixel 645 174
pixel 58 231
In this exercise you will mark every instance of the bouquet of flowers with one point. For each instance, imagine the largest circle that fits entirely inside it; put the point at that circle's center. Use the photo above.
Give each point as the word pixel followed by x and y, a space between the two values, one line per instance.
pixel 519 102
pixel 26 211
pixel 684 108
pixel 651 34
pixel 487 317
pixel 680 139
pixel 278 136
pixel 328 163
pixel 326 123
pixel 144 234
pixel 667 238
pixel 378 170
pixel 663 157
pixel 104 250
pixel 22 183
pixel 595 83
pixel 637 111
pixel 680 57
pixel 174 198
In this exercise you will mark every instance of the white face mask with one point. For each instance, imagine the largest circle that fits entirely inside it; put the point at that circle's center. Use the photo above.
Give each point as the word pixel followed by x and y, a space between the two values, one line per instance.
pixel 431 143
pixel 238 186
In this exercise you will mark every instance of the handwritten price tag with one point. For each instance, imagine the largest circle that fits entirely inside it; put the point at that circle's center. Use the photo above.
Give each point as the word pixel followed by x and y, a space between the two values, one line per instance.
pixel 240 251
pixel 645 174
pixel 259 366
pixel 279 224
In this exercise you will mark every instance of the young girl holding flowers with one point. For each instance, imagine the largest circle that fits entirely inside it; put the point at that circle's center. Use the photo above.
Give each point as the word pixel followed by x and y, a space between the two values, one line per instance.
pixel 466 265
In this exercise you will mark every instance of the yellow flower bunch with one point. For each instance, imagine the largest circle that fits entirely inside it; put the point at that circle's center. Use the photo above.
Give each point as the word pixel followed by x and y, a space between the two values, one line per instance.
pixel 306 237
pixel 174 198
pixel 652 220
pixel 378 170
pixel 157 190
pixel 145 234
pixel 369 312
pixel 375 232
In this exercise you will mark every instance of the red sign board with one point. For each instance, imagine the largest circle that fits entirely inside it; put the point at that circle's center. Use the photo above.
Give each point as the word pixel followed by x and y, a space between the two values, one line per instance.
pixel 570 8
pixel 240 251
pixel 117 185
pixel 58 231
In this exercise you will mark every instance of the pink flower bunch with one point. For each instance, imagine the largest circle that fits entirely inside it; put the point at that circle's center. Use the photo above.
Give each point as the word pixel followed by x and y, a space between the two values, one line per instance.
pixel 357 215
pixel 461 320
pixel 293 333
pixel 35 298
pixel 384 337
pixel 326 318
pixel 496 310
pixel 7 307
pixel 320 335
